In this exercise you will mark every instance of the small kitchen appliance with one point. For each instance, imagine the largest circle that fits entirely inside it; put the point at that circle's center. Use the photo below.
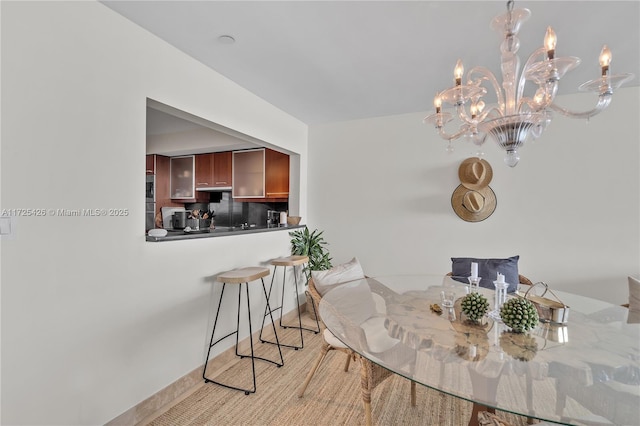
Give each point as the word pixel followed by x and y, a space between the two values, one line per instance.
pixel 273 218
pixel 179 220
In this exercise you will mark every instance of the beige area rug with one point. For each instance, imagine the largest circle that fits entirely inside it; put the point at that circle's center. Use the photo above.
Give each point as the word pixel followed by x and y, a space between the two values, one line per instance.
pixel 332 398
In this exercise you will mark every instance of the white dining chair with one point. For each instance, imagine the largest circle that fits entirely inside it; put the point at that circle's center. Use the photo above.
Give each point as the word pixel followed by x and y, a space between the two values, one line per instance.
pixel 330 343
pixel 375 342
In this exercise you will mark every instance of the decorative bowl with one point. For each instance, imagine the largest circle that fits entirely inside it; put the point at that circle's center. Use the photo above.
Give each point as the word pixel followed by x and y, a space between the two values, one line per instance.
pixel 293 220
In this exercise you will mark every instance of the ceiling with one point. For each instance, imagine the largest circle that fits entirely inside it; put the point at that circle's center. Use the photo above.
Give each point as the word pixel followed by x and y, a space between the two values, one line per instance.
pixel 324 61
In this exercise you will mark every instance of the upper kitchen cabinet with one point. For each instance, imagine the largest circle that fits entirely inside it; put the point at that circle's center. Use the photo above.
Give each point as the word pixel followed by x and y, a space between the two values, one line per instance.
pixel 204 171
pixel 162 181
pixel 248 174
pixel 183 177
pixel 260 175
pixel 213 170
pixel 222 169
pixel 151 164
pixel 276 174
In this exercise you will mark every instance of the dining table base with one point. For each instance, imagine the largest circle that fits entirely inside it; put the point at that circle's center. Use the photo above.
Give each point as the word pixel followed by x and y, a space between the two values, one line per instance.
pixel 477 408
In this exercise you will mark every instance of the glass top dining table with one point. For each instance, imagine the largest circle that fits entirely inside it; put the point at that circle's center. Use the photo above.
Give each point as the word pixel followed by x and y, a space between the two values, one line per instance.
pixel 586 371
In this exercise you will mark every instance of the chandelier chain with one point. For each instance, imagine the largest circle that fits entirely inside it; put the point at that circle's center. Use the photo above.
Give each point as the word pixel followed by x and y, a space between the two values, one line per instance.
pixel 510 12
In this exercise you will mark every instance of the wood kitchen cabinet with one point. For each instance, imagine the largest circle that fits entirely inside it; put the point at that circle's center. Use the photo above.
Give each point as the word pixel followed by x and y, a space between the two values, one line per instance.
pixel 260 176
pixel 222 169
pixel 213 170
pixel 151 164
pixel 204 170
pixel 163 171
pixel 276 174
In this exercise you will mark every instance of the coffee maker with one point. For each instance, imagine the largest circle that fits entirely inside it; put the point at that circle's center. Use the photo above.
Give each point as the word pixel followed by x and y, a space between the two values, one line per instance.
pixel 273 218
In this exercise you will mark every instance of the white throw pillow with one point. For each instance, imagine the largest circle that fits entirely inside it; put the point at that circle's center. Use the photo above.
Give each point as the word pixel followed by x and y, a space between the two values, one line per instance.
pixel 339 274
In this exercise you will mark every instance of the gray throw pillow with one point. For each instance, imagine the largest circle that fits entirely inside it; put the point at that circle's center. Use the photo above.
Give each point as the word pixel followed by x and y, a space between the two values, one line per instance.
pixel 487 270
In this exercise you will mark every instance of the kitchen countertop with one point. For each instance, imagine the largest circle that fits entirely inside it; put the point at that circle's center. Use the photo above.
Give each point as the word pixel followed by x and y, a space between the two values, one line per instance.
pixel 219 231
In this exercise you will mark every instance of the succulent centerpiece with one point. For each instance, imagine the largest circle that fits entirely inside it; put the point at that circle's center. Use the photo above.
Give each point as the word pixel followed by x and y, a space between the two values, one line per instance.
pixel 474 306
pixel 519 314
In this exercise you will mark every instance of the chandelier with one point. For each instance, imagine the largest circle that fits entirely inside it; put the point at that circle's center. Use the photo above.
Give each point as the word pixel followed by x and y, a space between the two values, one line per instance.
pixel 516 118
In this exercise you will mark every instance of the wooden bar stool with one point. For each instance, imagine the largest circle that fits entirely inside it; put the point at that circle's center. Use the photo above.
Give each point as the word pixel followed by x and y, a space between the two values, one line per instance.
pixel 291 261
pixel 242 276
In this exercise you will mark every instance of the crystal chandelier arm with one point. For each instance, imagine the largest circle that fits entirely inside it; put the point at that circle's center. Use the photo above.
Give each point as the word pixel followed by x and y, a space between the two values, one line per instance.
pixel 486 74
pixel 494 112
pixel 603 102
pixel 439 120
pixel 532 104
pixel 462 115
pixel 533 58
pixel 448 136
pixel 543 98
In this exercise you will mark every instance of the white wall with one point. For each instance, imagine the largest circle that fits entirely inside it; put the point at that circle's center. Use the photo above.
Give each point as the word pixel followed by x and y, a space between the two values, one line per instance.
pixel 570 209
pixel 95 319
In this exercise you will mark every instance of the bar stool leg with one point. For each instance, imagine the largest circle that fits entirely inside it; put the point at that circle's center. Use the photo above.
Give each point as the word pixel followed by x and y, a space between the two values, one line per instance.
pixel 267 309
pixel 252 355
pixel 273 326
pixel 284 277
pixel 253 358
pixel 211 344
pixel 299 327
pixel 295 278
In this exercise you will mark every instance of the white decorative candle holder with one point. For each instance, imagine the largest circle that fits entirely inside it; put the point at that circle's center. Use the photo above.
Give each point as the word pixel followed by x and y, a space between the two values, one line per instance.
pixel 474 283
pixel 500 298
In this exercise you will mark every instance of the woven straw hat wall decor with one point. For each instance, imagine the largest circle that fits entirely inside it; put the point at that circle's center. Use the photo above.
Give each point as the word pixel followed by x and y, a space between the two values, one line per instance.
pixel 474 200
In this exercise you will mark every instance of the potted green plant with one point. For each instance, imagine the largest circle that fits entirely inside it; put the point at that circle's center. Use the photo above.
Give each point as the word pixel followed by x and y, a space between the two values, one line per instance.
pixel 312 244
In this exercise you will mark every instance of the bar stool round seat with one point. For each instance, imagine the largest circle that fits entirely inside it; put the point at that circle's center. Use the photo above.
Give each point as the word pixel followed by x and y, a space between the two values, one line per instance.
pixel 284 262
pixel 290 261
pixel 242 276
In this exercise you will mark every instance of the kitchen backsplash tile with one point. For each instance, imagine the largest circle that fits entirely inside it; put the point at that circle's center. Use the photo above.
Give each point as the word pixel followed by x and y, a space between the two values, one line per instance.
pixel 233 213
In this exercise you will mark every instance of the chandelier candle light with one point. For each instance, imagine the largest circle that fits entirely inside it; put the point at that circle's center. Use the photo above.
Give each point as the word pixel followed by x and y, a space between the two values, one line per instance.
pixel 516 118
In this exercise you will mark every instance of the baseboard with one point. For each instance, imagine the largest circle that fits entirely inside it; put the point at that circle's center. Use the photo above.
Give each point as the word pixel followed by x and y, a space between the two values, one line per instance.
pixel 147 410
